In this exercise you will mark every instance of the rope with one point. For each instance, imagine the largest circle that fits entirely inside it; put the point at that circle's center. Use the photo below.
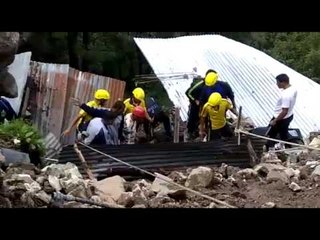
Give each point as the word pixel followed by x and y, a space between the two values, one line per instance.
pixel 160 177
pixel 276 140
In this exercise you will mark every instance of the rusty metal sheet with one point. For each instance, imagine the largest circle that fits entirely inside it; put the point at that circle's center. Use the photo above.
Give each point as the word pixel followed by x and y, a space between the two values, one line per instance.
pixel 82 85
pixel 50 87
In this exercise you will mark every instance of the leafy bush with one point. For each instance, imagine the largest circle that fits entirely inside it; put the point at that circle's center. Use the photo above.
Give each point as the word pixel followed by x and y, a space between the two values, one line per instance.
pixel 29 137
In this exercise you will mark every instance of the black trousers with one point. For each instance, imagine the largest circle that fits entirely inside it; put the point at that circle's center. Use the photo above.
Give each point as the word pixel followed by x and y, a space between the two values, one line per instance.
pixel 193 119
pixel 222 132
pixel 280 128
pixel 160 117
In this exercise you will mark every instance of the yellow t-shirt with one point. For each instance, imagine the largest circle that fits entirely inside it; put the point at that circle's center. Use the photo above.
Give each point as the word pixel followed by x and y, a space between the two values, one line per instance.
pixel 217 118
pixel 129 107
pixel 85 116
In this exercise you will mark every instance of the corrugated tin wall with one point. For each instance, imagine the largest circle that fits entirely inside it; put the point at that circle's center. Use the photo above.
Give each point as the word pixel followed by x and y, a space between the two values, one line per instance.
pixel 50 81
pixel 51 88
pixel 19 70
pixel 250 72
pixel 82 85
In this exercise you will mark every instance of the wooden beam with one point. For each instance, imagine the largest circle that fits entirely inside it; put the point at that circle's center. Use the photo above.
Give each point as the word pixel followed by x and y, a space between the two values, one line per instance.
pixel 176 125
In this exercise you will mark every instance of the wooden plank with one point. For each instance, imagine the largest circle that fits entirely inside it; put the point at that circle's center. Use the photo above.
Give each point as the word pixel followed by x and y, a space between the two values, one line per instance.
pixel 176 125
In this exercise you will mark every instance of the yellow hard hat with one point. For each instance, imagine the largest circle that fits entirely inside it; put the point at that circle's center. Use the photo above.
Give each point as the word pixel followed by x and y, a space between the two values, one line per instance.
pixel 211 79
pixel 214 99
pixel 138 93
pixel 102 94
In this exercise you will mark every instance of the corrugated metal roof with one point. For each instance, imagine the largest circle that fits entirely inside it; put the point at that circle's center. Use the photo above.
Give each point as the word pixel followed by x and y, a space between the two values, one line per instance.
pixel 250 72
pixel 19 70
pixel 154 157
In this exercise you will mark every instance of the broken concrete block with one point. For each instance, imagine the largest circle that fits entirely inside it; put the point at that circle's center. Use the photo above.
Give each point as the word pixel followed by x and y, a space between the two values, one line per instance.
pixel 316 173
pixel 199 177
pixel 126 199
pixel 112 186
pixel 159 184
pixel 54 182
pixel 32 187
pixel 138 195
pixel 139 206
pixel 277 175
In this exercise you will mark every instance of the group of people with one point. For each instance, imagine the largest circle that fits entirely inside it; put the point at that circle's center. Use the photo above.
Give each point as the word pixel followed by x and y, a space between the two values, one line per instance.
pixel 210 99
pixel 97 124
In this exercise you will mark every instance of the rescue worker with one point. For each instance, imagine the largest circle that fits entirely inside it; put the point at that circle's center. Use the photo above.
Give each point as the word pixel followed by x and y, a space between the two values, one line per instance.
pixel 215 109
pixel 159 116
pixel 137 99
pixel 131 122
pixel 104 127
pixel 283 113
pixel 6 111
pixel 101 96
pixel 213 85
pixel 193 94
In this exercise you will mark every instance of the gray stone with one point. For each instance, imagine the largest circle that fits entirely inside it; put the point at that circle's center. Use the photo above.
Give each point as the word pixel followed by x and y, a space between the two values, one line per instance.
pixel 13 156
pixel 126 199
pixel 294 187
pixel 199 177
pixel 269 205
pixel 248 173
pixel 277 175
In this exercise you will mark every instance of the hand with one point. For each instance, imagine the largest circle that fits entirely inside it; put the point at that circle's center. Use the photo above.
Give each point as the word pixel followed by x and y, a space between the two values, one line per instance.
pixel 66 133
pixel 273 122
pixel 151 119
pixel 197 102
pixel 202 135
pixel 75 101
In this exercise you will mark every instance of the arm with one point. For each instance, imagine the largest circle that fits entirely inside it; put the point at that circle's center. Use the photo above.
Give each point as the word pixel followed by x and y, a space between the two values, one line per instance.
pixel 230 95
pixel 203 117
pixel 190 91
pixel 73 124
pixel 100 113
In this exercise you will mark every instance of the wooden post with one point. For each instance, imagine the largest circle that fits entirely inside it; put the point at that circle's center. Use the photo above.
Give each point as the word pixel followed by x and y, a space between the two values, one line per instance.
pixel 238 125
pixel 84 163
pixel 176 125
pixel 252 153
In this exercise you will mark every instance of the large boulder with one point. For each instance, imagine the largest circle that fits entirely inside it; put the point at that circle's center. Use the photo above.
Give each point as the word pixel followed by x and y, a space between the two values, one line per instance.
pixel 112 186
pixel 199 177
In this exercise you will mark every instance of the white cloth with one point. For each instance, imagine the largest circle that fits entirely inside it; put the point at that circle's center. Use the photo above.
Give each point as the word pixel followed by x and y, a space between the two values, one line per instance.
pixel 129 129
pixel 93 129
pixel 287 100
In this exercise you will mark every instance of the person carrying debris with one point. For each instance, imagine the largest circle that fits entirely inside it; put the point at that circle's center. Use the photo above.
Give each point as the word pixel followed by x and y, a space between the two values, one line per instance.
pixel 104 127
pixel 193 94
pixel 159 116
pixel 101 96
pixel 131 124
pixel 6 111
pixel 213 85
pixel 137 99
pixel 283 112
pixel 215 109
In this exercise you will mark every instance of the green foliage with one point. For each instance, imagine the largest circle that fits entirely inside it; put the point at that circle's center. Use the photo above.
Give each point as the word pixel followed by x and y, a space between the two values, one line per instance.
pixel 26 133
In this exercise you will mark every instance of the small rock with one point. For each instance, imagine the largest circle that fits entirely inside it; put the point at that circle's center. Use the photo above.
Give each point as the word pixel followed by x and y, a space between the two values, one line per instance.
pixel 248 173
pixel 316 173
pixel 96 199
pixel 295 179
pixel 294 187
pixel 40 180
pixel 276 175
pixel 213 205
pixel 126 199
pixel 217 179
pixel 158 201
pixel 139 206
pixel 199 177
pixel 264 168
pixel 32 187
pixel 268 205
pixel 312 164
pixel 54 182
pixel 5 202
pixel 269 156
pixel 113 186
pixel 160 185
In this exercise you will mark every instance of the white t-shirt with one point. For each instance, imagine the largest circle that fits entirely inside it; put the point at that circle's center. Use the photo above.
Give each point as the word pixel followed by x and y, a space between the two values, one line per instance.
pixel 287 100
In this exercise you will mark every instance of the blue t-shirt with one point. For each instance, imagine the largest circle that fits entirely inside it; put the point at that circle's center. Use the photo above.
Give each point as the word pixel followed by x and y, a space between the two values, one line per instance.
pixel 221 87
pixel 153 107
